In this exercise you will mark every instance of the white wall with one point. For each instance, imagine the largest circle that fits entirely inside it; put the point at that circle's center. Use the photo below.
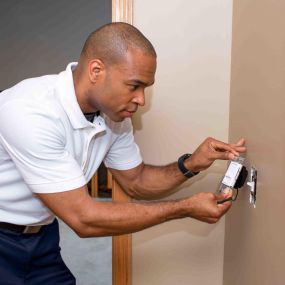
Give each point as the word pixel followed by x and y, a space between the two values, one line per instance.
pixel 190 101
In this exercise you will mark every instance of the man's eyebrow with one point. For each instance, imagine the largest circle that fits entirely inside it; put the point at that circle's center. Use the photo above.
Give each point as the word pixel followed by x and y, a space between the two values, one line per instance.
pixel 137 81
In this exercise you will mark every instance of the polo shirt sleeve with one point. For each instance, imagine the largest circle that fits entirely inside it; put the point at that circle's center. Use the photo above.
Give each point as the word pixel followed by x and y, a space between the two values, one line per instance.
pixel 124 153
pixel 34 139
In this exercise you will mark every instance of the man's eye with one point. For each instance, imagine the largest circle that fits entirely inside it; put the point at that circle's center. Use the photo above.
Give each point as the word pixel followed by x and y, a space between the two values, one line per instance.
pixel 134 87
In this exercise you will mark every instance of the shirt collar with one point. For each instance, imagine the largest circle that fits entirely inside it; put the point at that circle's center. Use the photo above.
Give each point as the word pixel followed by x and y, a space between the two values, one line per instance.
pixel 66 92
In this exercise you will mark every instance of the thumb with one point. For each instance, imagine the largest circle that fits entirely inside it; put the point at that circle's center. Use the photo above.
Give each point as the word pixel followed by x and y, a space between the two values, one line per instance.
pixel 225 199
pixel 226 193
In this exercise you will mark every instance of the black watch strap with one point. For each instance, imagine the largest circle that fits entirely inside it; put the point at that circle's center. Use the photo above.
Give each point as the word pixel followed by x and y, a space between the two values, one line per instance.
pixel 186 172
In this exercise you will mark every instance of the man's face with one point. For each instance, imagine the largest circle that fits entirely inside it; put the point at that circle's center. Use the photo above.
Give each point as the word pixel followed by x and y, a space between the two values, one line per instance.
pixel 121 91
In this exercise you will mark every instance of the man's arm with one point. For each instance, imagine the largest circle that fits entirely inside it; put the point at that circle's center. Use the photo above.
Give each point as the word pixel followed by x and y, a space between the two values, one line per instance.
pixel 146 181
pixel 89 218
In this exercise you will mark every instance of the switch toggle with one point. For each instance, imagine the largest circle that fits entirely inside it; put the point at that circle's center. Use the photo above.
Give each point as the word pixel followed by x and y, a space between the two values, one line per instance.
pixel 252 186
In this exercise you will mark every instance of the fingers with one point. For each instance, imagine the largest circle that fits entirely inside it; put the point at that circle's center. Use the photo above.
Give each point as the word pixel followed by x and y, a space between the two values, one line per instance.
pixel 239 146
pixel 241 142
pixel 224 200
pixel 230 199
pixel 204 206
pixel 221 209
pixel 225 196
pixel 224 207
pixel 211 150
pixel 224 156
pixel 219 146
pixel 226 151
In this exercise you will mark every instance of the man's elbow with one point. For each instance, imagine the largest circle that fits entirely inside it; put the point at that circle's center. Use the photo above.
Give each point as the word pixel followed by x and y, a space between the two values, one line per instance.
pixel 84 230
pixel 138 193
pixel 81 232
pixel 133 191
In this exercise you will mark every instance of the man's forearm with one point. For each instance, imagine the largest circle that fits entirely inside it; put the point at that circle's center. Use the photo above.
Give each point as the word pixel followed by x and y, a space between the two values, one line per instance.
pixel 88 217
pixel 111 218
pixel 156 181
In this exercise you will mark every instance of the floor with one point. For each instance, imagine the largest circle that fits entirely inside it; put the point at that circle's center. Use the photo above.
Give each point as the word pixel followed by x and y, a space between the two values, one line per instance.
pixel 90 260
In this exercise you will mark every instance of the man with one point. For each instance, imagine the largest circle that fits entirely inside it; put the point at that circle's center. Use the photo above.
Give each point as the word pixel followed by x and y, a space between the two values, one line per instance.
pixel 56 130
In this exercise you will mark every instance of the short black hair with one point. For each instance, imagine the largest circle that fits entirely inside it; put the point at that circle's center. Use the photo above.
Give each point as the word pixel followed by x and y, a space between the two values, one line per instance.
pixel 111 42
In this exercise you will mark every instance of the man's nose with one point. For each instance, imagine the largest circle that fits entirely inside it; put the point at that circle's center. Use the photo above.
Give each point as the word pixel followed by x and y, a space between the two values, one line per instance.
pixel 139 98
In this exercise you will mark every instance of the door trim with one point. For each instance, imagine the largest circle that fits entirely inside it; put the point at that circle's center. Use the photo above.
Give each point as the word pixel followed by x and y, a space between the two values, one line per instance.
pixel 122 11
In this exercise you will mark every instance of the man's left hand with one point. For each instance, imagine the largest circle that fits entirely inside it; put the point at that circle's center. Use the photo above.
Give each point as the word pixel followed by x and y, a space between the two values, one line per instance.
pixel 212 149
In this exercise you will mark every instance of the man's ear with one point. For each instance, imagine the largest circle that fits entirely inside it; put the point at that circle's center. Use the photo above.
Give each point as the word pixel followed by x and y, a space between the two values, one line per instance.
pixel 96 70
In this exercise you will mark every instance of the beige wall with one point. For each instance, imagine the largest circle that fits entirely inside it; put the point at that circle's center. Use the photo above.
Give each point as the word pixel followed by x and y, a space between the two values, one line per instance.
pixel 190 101
pixel 254 245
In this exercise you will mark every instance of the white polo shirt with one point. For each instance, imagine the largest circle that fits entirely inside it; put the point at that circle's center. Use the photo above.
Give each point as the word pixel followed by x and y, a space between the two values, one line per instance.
pixel 48 146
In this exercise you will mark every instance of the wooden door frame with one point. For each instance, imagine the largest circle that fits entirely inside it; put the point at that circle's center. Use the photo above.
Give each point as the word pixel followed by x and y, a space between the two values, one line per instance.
pixel 122 11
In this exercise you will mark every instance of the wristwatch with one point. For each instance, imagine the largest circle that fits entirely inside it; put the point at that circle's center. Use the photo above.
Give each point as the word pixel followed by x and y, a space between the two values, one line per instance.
pixel 186 172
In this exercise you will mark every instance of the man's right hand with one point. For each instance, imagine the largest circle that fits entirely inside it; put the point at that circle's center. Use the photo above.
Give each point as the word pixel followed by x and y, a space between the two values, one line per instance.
pixel 204 206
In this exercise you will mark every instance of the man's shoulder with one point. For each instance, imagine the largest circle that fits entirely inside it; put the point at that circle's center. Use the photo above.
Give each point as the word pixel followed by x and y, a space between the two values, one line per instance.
pixel 28 88
pixel 37 92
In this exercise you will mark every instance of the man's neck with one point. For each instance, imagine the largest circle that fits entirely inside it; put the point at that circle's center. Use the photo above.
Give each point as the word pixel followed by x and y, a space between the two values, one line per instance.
pixel 80 91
